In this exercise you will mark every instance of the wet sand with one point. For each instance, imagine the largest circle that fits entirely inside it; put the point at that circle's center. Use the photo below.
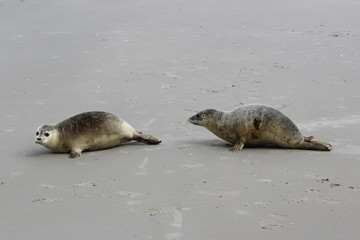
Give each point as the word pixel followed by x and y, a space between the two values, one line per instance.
pixel 156 63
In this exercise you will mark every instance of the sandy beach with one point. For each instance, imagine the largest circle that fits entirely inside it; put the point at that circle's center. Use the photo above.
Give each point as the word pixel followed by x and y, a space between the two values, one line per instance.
pixel 156 63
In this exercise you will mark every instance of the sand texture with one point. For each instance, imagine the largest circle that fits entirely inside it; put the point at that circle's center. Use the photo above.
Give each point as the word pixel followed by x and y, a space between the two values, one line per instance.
pixel 155 63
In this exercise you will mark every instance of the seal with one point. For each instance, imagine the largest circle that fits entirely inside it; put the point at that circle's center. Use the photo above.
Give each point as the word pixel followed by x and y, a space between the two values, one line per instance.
pixel 89 131
pixel 254 125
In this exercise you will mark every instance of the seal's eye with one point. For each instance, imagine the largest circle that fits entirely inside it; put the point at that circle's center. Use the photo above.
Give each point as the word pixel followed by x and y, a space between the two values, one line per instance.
pixel 203 115
pixel 46 134
pixel 37 133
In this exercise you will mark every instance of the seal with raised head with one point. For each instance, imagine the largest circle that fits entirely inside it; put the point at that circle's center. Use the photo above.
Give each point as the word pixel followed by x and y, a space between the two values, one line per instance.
pixel 254 125
pixel 89 131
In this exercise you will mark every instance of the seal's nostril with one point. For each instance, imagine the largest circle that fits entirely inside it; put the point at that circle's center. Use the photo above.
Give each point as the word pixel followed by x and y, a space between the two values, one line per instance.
pixel 38 139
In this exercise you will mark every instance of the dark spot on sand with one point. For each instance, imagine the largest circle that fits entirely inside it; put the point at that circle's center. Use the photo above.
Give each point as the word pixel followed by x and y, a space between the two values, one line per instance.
pixel 335 185
pixel 257 123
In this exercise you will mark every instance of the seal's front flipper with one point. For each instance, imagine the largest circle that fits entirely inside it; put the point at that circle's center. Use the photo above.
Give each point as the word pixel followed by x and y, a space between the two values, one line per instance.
pixel 237 147
pixel 75 152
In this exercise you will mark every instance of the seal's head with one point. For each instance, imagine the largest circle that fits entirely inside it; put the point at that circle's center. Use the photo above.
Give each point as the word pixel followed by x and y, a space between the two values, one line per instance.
pixel 47 136
pixel 204 118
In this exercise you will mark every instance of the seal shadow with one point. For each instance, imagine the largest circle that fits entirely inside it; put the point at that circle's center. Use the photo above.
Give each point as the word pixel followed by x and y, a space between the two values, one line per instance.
pixel 44 151
pixel 40 152
pixel 207 143
pixel 226 145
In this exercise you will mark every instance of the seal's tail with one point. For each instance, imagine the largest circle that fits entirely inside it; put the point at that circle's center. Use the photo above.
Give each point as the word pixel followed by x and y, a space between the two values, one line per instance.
pixel 148 139
pixel 308 144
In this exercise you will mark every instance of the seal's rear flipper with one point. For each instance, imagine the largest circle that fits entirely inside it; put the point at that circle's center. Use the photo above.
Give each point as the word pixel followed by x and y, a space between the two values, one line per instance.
pixel 147 139
pixel 308 139
pixel 315 145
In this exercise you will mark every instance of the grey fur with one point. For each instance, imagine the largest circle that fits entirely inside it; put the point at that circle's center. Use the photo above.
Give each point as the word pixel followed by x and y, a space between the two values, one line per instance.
pixel 89 131
pixel 253 125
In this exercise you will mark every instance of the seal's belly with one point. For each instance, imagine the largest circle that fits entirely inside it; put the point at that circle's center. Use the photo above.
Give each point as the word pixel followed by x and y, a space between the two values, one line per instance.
pixel 103 141
pixel 255 138
pixel 96 142
pixel 268 136
pixel 106 141
pixel 106 137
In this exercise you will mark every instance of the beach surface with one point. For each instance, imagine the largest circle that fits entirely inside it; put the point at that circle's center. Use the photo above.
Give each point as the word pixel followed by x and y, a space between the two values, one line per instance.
pixel 155 64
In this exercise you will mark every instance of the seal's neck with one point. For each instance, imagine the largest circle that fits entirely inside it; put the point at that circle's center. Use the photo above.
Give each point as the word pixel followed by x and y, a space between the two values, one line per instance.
pixel 217 125
pixel 214 122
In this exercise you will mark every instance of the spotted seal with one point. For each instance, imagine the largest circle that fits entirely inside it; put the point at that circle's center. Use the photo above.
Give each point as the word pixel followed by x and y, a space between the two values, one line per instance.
pixel 89 131
pixel 254 125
